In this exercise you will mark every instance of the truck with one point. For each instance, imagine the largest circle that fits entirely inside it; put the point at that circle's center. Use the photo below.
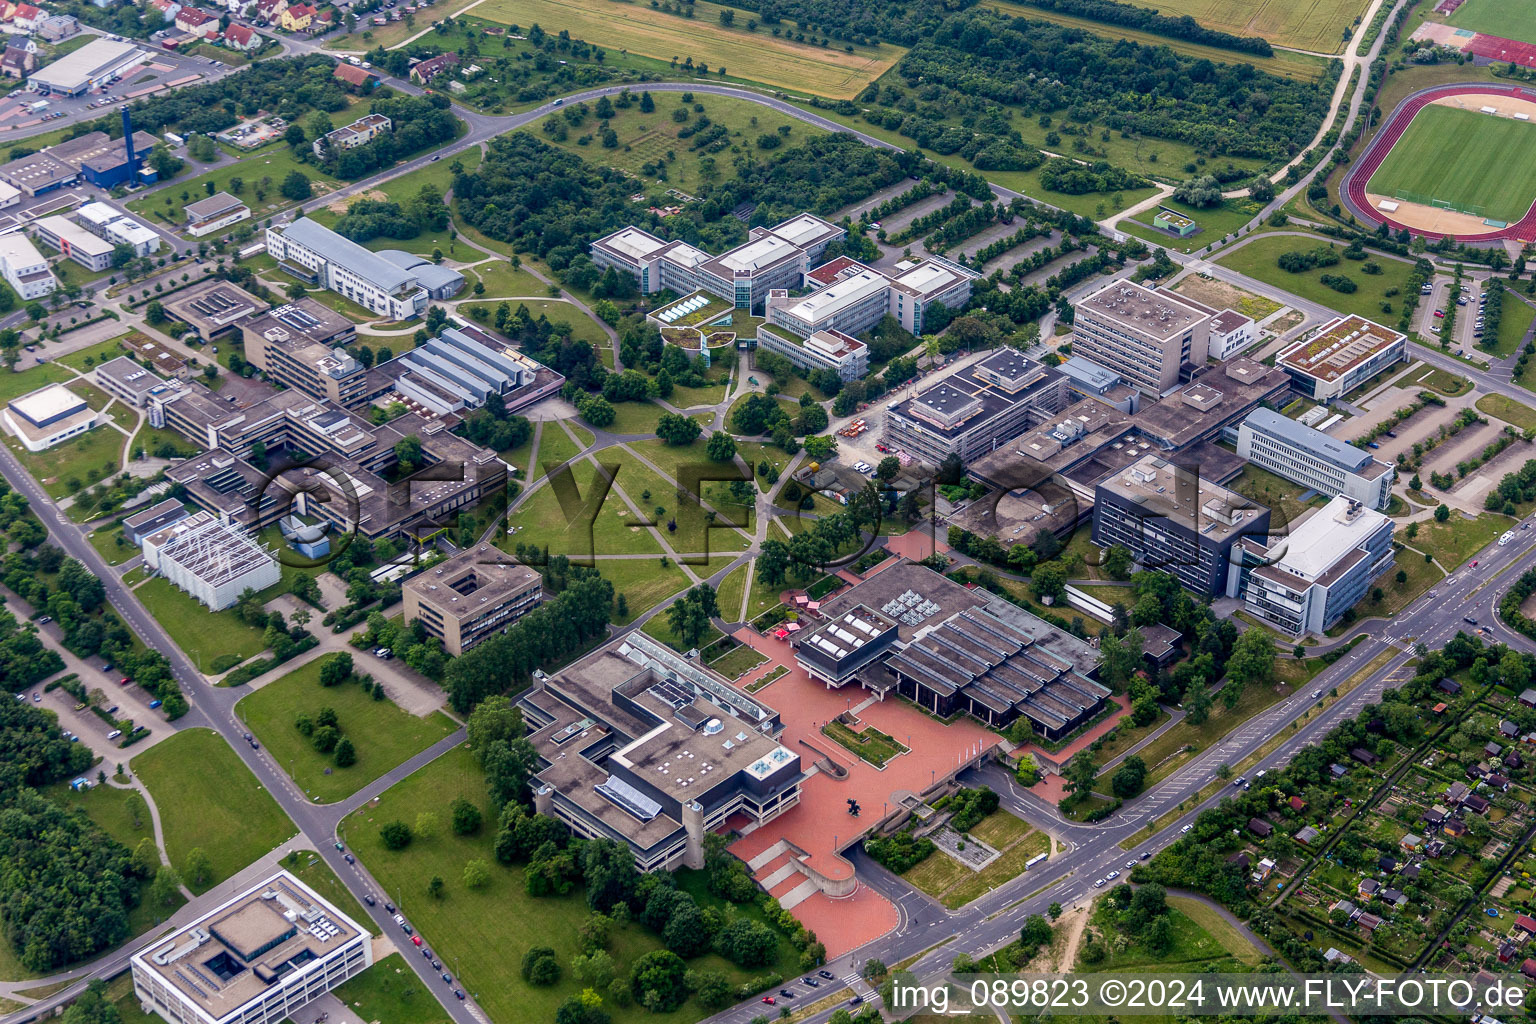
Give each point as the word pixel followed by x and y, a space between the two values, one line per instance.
pixel 37 106
pixel 1509 535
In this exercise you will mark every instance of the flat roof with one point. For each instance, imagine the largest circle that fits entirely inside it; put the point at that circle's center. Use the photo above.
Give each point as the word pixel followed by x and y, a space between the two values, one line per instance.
pixel 631 242
pixel 1089 373
pixel 338 249
pixel 48 403
pixel 75 69
pixel 891 587
pixel 471 580
pixel 219 202
pixel 76 237
pixel 928 278
pixel 977 394
pixel 17 249
pixel 213 304
pixel 229 956
pixel 1341 345
pixel 838 296
pixel 1154 483
pixel 806 230
pixel 760 253
pixel 1318 544
pixel 154 512
pixel 1156 313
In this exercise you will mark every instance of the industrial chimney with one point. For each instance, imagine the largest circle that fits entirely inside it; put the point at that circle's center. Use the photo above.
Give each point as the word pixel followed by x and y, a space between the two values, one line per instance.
pixel 133 167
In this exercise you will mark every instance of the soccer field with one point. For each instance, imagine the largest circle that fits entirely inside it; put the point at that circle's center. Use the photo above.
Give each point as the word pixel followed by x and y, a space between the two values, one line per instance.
pixel 1475 162
pixel 1512 19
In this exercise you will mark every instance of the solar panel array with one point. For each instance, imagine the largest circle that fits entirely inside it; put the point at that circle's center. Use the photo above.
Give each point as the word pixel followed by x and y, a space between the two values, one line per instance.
pixel 910 608
pixel 298 319
pixel 683 309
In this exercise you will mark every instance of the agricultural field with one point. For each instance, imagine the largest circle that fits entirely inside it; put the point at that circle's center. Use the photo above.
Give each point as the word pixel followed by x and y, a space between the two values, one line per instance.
pixel 758 56
pixel 1508 18
pixel 1464 160
pixel 1317 25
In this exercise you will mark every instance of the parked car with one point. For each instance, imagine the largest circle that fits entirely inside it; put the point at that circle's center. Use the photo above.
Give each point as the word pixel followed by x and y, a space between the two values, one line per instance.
pixel 770 1000
pixel 114 734
pixel 156 703
pixel 416 939
pixel 368 899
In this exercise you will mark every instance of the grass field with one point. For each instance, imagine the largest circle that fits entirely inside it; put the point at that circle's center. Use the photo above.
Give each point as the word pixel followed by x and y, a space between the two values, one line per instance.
pixel 383 734
pixel 203 634
pixel 1215 223
pixel 758 56
pixel 482 934
pixel 1508 410
pixel 399 190
pixel 1475 163
pixel 14 385
pixel 264 168
pixel 78 462
pixel 390 991
pixel 208 798
pixel 1257 258
pixel 1508 18
pixel 1319 25
pixel 1512 326
pixel 1288 65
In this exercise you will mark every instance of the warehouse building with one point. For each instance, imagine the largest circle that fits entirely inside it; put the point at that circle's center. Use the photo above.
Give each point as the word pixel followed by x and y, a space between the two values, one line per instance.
pixel 910 631
pixel 377 282
pixel 92 65
pixel 299 344
pixel 460 368
pixel 1311 458
pixel 473 596
pixel 101 160
pixel 638 744
pixel 1342 355
pixel 216 561
pixel 1305 582
pixel 218 211
pixel 1152 339
pixel 261 955
pixel 972 412
pixel 49 416
pixel 1173 519
pixel 844 355
pixel 24 268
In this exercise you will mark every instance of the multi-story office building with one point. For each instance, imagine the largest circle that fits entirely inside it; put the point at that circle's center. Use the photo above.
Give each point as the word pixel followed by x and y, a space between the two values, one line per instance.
pixel 744 275
pixel 108 222
pixel 951 650
pixel 156 517
pixel 850 304
pixel 216 561
pixel 1311 458
pixel 1231 333
pixel 809 233
pixel 1305 582
pixel 641 745
pixel 131 383
pixel 300 345
pixel 935 281
pixel 1343 354
pixel 214 309
pixel 24 268
pixel 1152 339
pixel 833 350
pixel 972 412
pixel 319 255
pixel 363 130
pixel 1173 520
pixel 471 597
pixel 74 241
pixel 259 956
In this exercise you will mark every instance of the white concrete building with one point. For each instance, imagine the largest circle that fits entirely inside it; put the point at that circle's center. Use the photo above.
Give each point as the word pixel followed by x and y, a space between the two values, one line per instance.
pixel 219 210
pixel 934 281
pixel 216 562
pixel 1342 355
pixel 1305 582
pixel 1231 333
pixel 845 355
pixel 74 241
pixel 107 221
pixel 370 279
pixel 259 956
pixel 48 416
pixel 24 268
pixel 1311 458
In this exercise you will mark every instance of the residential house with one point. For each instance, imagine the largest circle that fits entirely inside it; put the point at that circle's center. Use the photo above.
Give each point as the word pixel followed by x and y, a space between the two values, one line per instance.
pixel 197 23
pixel 1498 782
pixel 1476 804
pixel 1260 827
pixel 1393 898
pixel 1528 697
pixel 1529 968
pixel 298 18
pixel 17 62
pixel 1364 756
pixel 425 71
pixel 1435 817
pixel 1308 836
pixel 1411 872
pixel 1368 887
pixel 1450 686
pixel 1456 793
pixel 1509 729
pixel 1478 772
pixel 1411 843
pixel 1525 923
pixel 325 20
pixel 270 12
pixel 1455 828
pixel 27 17
pixel 167 9
pixel 354 78
pixel 1297 804
pixel 1369 922
pixel 1507 951
pixel 242 38
pixel 1513 760
pixel 56 27
pixel 1492 749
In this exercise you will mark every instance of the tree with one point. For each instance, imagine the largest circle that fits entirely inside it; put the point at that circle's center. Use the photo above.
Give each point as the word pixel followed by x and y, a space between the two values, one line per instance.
pixel 198 867
pixel 336 669
pixel 540 967
pixel 494 719
pixel 721 447
pixel 396 835
pixel 345 754
pixel 657 981
pixel 1129 777
pixel 888 468
pixel 477 874
pixel 1442 513
pixel 408 454
pixel 435 887
pixel 1118 562
pixel 1253 657
pixel 466 817
pixel 427 826
pixel 1049 581
pixel 677 430
pixel 165 890
pixel 295 186
pixel 1080 772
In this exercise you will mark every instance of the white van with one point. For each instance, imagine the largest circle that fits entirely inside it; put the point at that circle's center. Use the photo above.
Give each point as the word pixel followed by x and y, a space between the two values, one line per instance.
pixel 114 734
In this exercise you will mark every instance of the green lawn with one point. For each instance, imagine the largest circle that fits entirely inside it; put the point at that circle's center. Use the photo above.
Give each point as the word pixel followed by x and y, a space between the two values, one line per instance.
pixel 1279 495
pixel 1458 538
pixel 1516 320
pixel 204 635
pixel 14 385
pixel 635 418
pixel 501 280
pixel 1508 18
pixel 440 176
pixel 121 813
pixel 383 734
pixel 263 169
pixel 609 530
pixel 391 991
pixel 643 583
pixel 869 743
pixel 1469 161
pixel 1214 223
pixel 208 798
pixel 1507 409
pixel 481 935
pixel 84 359
pixel 1257 259
pixel 79 462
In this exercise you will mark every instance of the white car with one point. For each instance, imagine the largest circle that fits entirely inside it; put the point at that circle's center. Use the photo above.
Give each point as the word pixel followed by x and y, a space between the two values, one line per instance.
pixel 1112 875
pixel 1099 884
pixel 1186 828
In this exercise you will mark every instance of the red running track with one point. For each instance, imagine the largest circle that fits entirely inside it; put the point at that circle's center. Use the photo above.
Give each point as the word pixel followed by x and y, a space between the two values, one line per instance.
pixel 1360 174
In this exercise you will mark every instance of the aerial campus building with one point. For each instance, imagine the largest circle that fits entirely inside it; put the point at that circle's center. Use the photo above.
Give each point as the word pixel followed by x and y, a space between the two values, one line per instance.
pixel 1309 457
pixel 213 308
pixel 1306 581
pixel 1153 339
pixel 471 597
pixel 1173 519
pixel 106 221
pixel 952 650
pixel 462 368
pixel 216 561
pixel 259 956
pixel 153 519
pixel 92 236
pixel 49 416
pixel 1343 354
pixel 300 344
pixel 389 282
pixel 131 383
pixel 24 268
pixel 93 64
pixel 831 349
pixel 219 210
pixel 971 412
pixel 638 744
pixel 102 161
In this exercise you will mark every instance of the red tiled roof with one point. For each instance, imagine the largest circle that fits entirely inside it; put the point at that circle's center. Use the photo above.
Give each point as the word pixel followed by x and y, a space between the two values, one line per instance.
pixel 827 272
pixel 353 75
pixel 301 10
pixel 239 34
pixel 1525 923
pixel 194 17
pixel 27 11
